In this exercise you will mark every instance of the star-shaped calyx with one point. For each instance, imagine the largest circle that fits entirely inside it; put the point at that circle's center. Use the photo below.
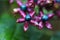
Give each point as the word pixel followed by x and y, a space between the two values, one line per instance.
pixel 27 18
pixel 43 20
pixel 24 7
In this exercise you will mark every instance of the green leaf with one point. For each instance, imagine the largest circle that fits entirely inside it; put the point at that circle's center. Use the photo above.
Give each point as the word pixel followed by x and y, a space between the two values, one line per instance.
pixel 30 34
pixel 46 11
pixel 56 36
pixel 7 26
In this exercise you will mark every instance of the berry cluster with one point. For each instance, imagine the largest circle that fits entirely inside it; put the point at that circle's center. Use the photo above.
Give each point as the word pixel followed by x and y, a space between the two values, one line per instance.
pixel 28 13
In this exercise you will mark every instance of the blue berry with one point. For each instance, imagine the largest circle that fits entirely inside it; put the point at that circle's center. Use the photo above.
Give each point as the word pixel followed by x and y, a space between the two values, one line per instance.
pixel 28 17
pixel 57 1
pixel 45 18
pixel 23 7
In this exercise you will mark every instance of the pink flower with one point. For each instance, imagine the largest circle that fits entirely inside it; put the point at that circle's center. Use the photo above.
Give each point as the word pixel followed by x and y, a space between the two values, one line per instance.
pixel 25 7
pixel 41 2
pixel 37 2
pixel 43 20
pixel 30 5
pixel 11 1
pixel 26 18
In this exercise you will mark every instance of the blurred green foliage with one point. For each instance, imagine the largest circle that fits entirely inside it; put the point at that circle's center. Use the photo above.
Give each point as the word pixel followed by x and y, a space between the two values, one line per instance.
pixel 10 30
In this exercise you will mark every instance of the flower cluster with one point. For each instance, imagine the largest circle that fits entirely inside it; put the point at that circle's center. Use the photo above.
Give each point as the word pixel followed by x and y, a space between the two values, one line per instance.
pixel 28 13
